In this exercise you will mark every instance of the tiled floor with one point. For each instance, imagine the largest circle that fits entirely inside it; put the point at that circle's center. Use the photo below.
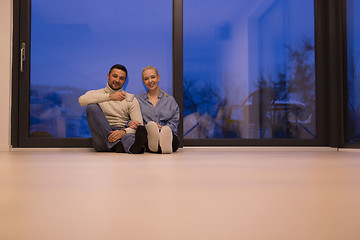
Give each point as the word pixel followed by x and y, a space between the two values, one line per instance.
pixel 196 193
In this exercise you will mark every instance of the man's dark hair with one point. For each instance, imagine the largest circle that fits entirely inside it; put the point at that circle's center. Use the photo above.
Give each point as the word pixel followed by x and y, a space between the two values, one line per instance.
pixel 120 67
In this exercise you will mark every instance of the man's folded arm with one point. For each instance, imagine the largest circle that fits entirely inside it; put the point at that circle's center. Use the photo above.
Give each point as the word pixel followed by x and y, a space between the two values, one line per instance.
pixel 93 97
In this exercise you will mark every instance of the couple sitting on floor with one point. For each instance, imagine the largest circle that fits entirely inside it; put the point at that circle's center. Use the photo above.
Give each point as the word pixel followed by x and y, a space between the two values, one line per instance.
pixel 116 118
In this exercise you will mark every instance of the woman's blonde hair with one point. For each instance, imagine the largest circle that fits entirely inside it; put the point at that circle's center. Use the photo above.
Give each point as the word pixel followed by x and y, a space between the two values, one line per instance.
pixel 157 73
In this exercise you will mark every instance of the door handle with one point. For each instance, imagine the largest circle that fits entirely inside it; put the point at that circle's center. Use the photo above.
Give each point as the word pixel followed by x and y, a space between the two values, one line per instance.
pixel 22 57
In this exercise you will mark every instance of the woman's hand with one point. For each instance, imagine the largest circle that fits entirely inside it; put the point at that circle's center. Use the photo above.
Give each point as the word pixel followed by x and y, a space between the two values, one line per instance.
pixel 116 135
pixel 133 124
pixel 117 96
pixel 159 126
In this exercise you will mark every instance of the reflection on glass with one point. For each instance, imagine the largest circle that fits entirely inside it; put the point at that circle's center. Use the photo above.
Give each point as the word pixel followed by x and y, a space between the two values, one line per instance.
pixel 353 53
pixel 73 45
pixel 249 69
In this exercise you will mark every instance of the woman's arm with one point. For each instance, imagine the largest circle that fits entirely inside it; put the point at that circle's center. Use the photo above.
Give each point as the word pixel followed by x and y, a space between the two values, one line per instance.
pixel 173 121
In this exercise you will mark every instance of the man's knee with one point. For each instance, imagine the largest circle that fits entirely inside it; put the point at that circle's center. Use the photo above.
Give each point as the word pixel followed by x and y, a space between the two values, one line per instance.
pixel 92 108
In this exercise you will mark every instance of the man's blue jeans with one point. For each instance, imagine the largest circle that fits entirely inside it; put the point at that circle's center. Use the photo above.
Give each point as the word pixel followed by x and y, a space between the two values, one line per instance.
pixel 100 130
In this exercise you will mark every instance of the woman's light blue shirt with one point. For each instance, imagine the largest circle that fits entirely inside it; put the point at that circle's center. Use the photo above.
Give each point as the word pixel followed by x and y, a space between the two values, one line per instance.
pixel 166 112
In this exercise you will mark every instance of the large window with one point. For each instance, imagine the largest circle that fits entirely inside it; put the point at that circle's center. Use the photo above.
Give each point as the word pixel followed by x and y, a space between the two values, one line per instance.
pixel 73 45
pixel 353 72
pixel 249 69
pixel 242 72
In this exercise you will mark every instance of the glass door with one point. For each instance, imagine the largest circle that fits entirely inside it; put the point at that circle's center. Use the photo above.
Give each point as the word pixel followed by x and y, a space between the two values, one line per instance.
pixel 68 48
pixel 249 72
pixel 352 124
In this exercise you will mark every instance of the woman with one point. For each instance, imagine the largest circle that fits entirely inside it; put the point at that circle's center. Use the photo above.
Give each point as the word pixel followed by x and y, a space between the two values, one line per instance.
pixel 160 114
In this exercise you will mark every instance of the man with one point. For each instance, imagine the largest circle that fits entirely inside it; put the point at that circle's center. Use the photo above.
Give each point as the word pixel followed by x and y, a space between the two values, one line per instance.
pixel 109 110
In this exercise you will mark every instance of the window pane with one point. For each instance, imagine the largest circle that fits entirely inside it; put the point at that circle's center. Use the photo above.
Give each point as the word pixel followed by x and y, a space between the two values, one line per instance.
pixel 73 46
pixel 249 69
pixel 353 53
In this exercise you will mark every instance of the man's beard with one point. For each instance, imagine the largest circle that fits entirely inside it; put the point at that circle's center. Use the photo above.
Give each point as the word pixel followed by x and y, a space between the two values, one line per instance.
pixel 115 89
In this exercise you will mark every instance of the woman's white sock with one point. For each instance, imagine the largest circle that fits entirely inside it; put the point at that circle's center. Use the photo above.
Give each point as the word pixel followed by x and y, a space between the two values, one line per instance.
pixel 153 136
pixel 166 138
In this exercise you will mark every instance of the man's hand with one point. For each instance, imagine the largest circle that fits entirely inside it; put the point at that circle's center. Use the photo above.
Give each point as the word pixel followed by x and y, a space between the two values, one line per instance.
pixel 117 96
pixel 116 135
pixel 133 124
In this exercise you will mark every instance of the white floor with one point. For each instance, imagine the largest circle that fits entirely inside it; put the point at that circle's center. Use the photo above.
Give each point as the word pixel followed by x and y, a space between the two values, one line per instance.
pixel 196 193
